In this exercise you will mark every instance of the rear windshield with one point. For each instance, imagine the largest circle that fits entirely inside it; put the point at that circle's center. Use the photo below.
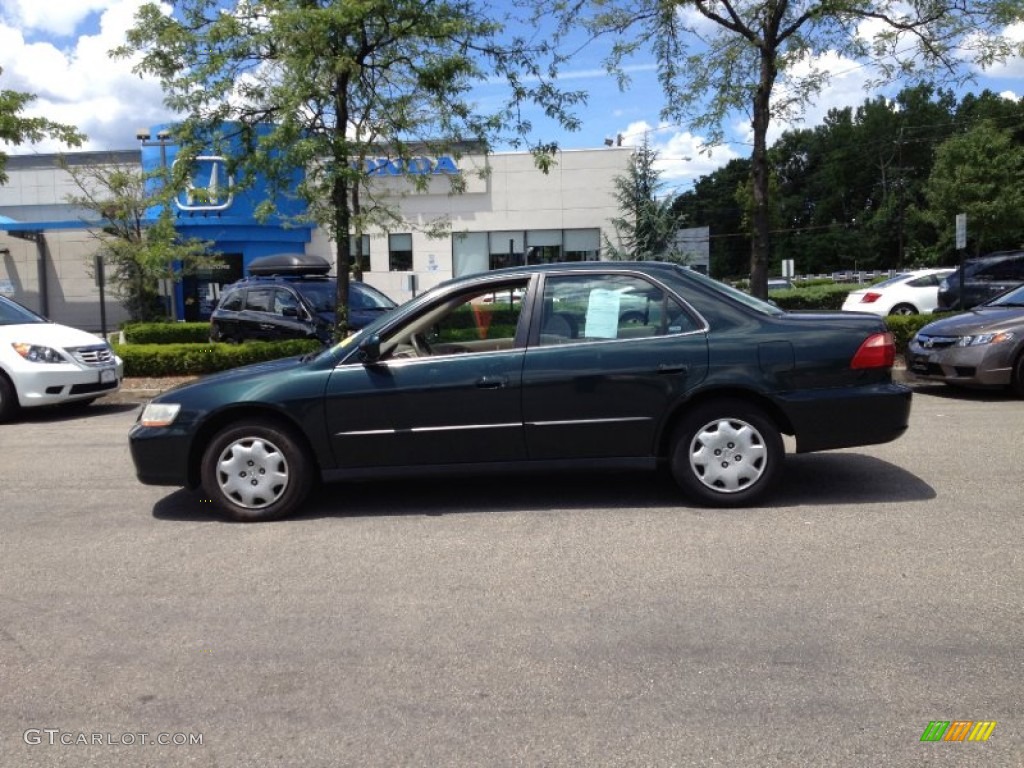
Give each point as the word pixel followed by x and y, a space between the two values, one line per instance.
pixel 763 307
pixel 15 314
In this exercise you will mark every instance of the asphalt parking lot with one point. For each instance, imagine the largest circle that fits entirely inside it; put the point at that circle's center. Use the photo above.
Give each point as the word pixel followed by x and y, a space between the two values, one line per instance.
pixel 594 620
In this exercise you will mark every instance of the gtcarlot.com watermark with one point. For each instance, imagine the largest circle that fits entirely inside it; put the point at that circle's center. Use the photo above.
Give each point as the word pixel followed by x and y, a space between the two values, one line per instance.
pixel 56 737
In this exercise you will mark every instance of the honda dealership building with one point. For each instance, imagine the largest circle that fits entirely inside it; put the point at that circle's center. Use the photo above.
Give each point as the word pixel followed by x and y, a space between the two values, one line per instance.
pixel 508 212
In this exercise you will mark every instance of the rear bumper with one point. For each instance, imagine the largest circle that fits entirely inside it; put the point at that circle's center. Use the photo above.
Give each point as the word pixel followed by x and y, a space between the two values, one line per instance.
pixel 848 417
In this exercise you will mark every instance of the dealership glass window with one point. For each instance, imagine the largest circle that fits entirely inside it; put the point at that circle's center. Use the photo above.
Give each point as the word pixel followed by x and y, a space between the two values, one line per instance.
pixel 506 249
pixel 362 256
pixel 543 246
pixel 400 253
pixel 469 253
pixel 582 244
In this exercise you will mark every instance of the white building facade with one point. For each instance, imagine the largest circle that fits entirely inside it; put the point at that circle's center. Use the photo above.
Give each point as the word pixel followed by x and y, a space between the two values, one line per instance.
pixel 508 212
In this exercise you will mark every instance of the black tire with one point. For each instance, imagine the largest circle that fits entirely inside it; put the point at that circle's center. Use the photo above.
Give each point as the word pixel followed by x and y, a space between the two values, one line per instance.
pixel 903 309
pixel 632 317
pixel 9 405
pixel 256 471
pixel 729 435
pixel 1017 375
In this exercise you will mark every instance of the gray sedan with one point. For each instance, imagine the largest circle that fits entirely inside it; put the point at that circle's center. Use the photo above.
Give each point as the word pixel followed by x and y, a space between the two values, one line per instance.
pixel 983 347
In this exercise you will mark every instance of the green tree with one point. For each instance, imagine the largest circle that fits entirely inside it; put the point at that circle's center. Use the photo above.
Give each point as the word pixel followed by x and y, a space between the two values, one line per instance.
pixel 756 46
pixel 17 129
pixel 712 203
pixel 137 251
pixel 647 228
pixel 980 173
pixel 332 82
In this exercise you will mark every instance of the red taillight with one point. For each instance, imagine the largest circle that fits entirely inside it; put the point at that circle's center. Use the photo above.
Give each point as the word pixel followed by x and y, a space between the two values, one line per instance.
pixel 877 351
pixel 869 297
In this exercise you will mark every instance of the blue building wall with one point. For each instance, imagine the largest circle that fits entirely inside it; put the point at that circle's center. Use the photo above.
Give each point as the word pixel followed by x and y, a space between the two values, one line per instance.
pixel 224 214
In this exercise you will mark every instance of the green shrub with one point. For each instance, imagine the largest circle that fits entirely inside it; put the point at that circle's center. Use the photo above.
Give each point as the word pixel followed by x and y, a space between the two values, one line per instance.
pixel 812 297
pixel 197 359
pixel 904 327
pixel 166 333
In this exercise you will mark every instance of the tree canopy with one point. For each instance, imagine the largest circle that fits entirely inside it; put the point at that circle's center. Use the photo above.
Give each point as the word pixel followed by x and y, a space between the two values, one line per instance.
pixel 878 186
pixel 17 129
pixel 333 83
pixel 718 58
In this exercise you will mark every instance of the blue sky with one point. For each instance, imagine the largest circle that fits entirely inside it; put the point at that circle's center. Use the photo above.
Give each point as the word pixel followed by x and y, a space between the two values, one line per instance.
pixel 57 49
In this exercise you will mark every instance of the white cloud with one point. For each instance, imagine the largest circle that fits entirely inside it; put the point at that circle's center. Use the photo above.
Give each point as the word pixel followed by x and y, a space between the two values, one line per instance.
pixel 55 17
pixel 82 85
pixel 682 156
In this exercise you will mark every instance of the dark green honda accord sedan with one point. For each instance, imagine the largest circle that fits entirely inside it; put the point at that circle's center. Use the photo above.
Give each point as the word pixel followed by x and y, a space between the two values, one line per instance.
pixel 598 364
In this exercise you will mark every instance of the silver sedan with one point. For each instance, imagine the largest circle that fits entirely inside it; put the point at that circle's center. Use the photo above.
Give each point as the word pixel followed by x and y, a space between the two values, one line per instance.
pixel 983 347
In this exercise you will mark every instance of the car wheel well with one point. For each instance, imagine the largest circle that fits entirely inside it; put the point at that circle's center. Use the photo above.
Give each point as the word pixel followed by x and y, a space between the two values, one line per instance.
pixel 770 409
pixel 239 414
pixel 904 308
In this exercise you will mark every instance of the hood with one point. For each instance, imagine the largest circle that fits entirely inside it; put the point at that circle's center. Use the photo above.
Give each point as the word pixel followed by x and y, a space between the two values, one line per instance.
pixel 49 335
pixel 235 377
pixel 975 321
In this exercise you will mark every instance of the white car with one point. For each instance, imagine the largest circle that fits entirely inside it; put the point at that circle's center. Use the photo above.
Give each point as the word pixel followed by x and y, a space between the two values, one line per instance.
pixel 909 293
pixel 43 363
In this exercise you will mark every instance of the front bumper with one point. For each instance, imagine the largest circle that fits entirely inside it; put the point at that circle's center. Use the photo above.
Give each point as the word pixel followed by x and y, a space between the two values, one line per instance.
pixel 40 384
pixel 986 365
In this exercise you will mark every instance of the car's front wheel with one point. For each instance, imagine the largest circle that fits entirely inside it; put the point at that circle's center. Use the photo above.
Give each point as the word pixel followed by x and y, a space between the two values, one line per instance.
pixel 8 399
pixel 1017 376
pixel 726 453
pixel 256 471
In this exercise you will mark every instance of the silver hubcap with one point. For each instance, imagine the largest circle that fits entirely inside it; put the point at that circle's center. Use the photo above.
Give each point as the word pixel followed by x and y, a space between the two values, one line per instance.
pixel 728 455
pixel 252 472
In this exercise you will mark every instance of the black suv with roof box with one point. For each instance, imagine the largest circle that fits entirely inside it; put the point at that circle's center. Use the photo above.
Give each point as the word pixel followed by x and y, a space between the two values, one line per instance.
pixel 291 296
pixel 984 277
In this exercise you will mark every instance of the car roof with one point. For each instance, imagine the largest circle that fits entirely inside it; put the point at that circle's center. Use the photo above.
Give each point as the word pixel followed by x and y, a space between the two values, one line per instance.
pixel 650 267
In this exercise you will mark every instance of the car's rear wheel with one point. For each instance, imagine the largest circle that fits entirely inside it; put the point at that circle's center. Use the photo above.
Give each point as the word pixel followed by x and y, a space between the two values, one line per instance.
pixel 726 453
pixel 903 309
pixel 256 471
pixel 8 399
pixel 1017 376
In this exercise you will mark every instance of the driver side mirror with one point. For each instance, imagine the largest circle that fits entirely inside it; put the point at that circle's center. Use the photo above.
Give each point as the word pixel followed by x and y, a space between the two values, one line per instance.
pixel 369 349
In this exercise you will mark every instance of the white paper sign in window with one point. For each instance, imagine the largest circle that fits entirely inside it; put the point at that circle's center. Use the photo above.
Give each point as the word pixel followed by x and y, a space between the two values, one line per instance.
pixel 602 314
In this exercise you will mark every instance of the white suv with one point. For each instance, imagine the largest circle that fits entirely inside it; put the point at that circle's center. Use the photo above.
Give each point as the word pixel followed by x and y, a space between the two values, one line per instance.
pixel 43 363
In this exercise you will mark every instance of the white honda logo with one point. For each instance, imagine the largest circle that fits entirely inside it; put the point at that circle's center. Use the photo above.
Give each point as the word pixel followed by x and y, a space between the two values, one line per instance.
pixel 209 186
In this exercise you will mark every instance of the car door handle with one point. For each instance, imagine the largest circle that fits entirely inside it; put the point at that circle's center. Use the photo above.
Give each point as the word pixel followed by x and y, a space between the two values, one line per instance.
pixel 680 368
pixel 492 382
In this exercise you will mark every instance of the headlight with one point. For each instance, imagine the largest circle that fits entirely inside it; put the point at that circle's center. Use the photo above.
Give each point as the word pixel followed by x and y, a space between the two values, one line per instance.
pixel 39 354
pixel 984 338
pixel 159 414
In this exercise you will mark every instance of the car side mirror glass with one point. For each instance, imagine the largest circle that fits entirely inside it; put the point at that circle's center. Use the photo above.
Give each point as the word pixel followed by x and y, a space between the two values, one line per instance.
pixel 369 349
pixel 290 311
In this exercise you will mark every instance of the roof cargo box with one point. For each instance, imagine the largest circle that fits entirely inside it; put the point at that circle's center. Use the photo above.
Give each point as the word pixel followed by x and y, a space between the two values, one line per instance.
pixel 289 264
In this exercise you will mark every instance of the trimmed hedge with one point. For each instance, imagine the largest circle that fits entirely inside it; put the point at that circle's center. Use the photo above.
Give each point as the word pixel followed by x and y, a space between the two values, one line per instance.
pixel 812 297
pixel 166 333
pixel 904 327
pixel 198 359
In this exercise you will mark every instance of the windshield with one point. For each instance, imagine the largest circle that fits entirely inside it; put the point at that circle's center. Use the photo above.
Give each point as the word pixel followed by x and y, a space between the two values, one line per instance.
pixel 1012 298
pixel 12 313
